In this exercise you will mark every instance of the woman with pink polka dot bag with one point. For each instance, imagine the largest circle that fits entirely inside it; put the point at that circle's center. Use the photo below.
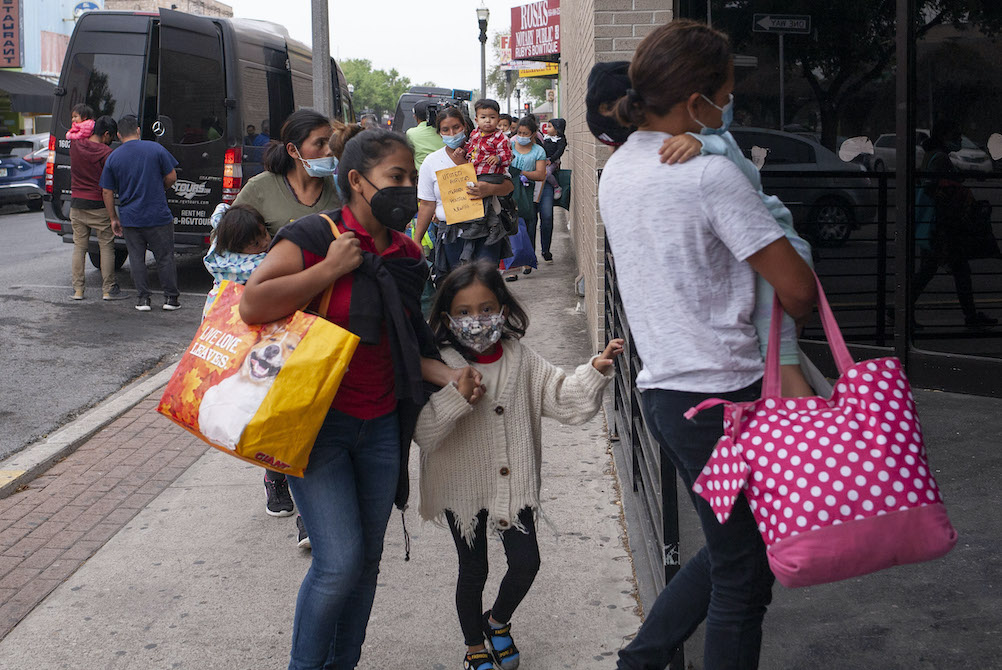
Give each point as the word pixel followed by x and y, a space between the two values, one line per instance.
pixel 840 486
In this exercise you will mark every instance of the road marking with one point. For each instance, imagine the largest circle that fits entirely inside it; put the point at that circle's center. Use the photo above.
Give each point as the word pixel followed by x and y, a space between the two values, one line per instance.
pixel 70 288
pixel 9 475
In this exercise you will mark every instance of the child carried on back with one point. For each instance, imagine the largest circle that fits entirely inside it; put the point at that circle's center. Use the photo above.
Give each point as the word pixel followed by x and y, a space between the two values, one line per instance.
pixel 239 243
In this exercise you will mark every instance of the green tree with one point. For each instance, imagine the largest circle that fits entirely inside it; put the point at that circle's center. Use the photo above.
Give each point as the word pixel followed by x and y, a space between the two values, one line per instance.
pixel 852 43
pixel 375 90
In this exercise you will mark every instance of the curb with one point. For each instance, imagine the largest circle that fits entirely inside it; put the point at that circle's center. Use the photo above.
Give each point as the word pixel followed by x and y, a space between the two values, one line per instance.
pixel 36 458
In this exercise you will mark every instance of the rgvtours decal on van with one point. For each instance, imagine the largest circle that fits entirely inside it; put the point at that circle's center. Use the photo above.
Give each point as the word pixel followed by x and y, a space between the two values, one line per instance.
pixel 190 189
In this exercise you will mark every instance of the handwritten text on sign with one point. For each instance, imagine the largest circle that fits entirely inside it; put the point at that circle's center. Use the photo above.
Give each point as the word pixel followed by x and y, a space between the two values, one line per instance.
pixel 459 206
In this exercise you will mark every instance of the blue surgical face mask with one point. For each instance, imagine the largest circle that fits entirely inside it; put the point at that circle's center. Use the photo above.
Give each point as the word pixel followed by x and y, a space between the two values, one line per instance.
pixel 454 141
pixel 524 141
pixel 320 167
pixel 726 117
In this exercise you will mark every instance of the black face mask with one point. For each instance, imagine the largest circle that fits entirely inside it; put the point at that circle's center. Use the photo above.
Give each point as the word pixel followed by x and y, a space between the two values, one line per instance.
pixel 394 206
pixel 607 129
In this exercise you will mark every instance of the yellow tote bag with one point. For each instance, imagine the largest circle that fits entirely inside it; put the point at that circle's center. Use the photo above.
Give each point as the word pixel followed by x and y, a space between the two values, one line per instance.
pixel 259 392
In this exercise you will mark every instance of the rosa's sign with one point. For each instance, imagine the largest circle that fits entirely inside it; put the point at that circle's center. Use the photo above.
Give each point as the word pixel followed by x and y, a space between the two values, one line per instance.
pixel 535 31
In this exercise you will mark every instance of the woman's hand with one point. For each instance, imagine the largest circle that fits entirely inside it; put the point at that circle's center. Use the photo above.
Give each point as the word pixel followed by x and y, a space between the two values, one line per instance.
pixel 344 254
pixel 679 148
pixel 603 362
pixel 477 190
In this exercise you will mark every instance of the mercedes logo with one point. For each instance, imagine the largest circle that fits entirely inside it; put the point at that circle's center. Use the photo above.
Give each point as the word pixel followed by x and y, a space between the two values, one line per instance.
pixel 158 129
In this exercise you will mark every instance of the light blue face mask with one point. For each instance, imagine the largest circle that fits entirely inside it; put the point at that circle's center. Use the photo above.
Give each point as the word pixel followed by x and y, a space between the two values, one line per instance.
pixel 454 141
pixel 726 117
pixel 524 141
pixel 320 167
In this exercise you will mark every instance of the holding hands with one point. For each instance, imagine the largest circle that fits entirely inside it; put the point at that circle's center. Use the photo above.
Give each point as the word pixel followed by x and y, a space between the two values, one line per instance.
pixel 603 362
pixel 469 384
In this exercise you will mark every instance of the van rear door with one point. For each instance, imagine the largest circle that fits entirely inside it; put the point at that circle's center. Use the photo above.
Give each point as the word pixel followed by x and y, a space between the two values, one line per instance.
pixel 191 119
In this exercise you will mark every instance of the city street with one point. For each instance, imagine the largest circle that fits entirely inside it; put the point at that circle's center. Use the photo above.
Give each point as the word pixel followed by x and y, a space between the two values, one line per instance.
pixel 61 356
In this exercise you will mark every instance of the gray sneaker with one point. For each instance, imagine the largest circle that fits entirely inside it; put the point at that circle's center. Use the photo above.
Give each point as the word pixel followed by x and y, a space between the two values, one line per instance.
pixel 116 293
pixel 304 539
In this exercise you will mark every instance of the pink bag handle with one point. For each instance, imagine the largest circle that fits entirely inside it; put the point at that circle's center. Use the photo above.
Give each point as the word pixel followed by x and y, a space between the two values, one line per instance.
pixel 771 385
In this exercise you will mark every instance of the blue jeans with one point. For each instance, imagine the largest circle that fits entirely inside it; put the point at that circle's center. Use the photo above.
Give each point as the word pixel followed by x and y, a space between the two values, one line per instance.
pixel 545 209
pixel 345 498
pixel 728 582
pixel 159 240
pixel 452 251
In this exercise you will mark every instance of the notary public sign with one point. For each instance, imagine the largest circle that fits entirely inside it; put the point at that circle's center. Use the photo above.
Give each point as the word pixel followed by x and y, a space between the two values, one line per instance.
pixel 535 30
pixel 10 33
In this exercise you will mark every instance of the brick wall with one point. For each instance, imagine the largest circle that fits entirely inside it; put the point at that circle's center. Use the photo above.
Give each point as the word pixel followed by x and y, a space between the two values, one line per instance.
pixel 595 31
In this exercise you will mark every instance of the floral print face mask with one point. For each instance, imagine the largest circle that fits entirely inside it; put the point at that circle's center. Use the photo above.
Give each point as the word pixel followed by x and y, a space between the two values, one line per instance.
pixel 477 332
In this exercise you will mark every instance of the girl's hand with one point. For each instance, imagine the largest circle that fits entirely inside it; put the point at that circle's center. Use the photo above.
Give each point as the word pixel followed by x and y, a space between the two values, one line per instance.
pixel 604 360
pixel 344 254
pixel 469 385
pixel 679 149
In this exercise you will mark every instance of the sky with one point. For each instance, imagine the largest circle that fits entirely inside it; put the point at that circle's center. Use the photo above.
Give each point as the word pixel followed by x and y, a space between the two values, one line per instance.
pixel 434 40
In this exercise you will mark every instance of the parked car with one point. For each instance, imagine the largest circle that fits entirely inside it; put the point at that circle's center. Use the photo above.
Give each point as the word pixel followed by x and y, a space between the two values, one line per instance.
pixel 22 170
pixel 970 156
pixel 826 207
pixel 212 91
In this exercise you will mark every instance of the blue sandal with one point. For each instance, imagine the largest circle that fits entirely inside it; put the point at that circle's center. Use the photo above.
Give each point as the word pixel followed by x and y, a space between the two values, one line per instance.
pixel 500 643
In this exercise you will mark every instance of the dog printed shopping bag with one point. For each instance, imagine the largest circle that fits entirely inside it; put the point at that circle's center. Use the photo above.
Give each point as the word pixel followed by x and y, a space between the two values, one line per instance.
pixel 258 392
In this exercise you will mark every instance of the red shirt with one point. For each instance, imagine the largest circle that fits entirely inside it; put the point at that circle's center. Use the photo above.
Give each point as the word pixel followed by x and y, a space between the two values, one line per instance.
pixel 367 390
pixel 86 164
pixel 479 147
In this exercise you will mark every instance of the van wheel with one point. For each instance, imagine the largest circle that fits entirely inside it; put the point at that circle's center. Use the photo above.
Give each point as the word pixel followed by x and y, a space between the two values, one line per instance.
pixel 121 255
pixel 36 205
pixel 831 222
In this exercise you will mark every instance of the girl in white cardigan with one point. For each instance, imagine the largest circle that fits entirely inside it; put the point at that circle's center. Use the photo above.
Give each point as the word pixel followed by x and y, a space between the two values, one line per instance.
pixel 480 446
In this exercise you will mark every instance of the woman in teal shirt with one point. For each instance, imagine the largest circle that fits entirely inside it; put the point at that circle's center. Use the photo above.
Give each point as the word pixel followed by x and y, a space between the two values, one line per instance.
pixel 529 159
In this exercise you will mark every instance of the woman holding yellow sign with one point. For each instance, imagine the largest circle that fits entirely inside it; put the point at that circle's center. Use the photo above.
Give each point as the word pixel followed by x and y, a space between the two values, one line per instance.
pixel 452 248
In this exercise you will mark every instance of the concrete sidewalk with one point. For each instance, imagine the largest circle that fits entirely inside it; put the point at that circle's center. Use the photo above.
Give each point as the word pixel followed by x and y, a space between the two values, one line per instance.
pixel 171 566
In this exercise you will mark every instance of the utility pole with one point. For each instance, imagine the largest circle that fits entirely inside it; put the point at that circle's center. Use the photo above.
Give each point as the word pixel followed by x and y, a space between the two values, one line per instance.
pixel 322 80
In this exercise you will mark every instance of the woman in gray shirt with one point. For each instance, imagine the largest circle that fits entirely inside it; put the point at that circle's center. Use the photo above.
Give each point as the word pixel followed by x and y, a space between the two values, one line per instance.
pixel 689 239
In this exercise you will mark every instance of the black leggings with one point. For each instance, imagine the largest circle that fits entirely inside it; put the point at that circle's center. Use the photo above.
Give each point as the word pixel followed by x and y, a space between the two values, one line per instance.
pixel 522 552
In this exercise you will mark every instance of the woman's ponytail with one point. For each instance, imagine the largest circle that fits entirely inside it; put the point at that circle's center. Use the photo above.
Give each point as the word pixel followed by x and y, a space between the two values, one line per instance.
pixel 673 62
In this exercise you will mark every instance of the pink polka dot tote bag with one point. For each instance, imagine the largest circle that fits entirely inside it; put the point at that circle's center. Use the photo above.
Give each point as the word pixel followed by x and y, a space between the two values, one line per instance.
pixel 840 486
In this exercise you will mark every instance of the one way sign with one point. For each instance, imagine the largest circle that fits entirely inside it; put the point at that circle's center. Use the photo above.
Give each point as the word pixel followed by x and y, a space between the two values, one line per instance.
pixel 782 23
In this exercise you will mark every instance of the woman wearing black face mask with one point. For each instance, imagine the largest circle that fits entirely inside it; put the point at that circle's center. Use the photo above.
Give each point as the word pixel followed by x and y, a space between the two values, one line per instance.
pixel 358 466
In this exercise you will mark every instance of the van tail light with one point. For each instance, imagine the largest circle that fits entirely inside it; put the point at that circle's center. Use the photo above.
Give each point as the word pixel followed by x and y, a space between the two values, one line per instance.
pixel 54 226
pixel 233 174
pixel 50 164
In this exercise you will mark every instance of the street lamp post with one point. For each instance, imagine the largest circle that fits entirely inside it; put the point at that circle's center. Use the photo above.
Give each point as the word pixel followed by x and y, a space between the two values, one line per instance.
pixel 482 15
pixel 518 102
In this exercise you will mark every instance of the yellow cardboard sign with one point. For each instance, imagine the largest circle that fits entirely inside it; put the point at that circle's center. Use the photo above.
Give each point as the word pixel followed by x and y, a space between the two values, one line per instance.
pixel 459 206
